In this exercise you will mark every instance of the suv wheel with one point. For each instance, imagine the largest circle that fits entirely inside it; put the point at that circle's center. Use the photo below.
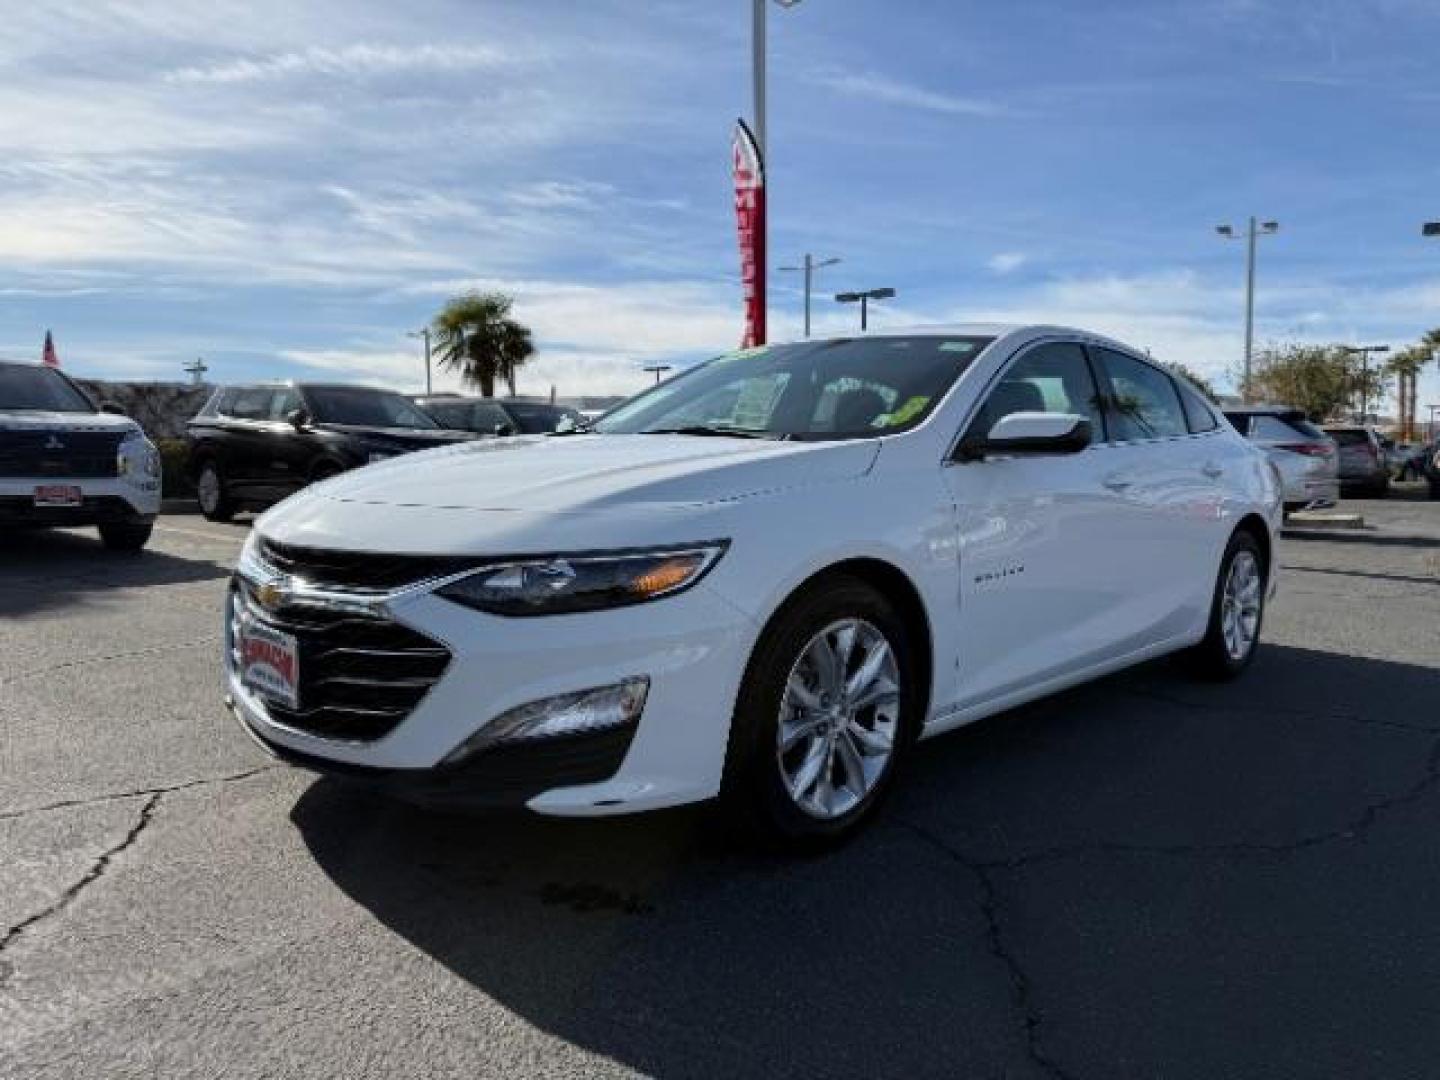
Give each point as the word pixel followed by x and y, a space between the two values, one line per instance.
pixel 1236 611
pixel 825 713
pixel 215 501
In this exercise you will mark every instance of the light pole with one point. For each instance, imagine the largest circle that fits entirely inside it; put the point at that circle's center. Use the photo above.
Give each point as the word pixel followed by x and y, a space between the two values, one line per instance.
pixel 864 298
pixel 757 73
pixel 197 371
pixel 1364 351
pixel 658 369
pixel 1252 231
pixel 424 333
pixel 808 268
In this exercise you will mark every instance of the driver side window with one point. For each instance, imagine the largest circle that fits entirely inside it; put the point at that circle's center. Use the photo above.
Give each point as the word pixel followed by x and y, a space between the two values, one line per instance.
pixel 1050 378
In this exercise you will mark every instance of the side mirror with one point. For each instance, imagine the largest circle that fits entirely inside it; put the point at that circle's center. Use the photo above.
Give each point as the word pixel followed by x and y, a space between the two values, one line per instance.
pixel 298 418
pixel 1029 433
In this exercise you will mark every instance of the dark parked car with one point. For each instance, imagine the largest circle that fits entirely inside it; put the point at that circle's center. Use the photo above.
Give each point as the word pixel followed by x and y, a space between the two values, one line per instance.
pixel 1363 469
pixel 496 416
pixel 254 445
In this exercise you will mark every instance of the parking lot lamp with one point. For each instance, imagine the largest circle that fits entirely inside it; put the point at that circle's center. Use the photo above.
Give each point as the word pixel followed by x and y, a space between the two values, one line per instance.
pixel 1251 232
pixel 864 299
pixel 424 332
pixel 658 369
pixel 808 268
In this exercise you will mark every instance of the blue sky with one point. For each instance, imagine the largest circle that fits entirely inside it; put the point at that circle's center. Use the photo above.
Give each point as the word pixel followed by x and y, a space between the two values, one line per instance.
pixel 286 188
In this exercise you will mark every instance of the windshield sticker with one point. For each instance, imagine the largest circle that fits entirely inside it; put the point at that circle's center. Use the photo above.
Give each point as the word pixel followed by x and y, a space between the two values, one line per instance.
pixel 912 408
pixel 748 354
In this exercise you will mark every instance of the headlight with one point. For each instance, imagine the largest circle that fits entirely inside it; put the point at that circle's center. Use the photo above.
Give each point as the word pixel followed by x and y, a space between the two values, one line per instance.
pixel 560 584
pixel 137 457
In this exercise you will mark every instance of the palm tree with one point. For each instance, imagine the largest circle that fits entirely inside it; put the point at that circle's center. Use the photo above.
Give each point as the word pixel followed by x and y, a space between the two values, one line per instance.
pixel 475 335
pixel 1406 365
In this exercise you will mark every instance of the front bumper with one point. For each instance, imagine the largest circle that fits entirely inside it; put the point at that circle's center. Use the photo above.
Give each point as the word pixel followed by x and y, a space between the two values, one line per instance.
pixel 692 646
pixel 104 501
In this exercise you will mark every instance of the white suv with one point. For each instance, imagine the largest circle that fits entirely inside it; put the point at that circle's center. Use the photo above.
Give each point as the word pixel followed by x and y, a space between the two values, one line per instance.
pixel 764 579
pixel 63 462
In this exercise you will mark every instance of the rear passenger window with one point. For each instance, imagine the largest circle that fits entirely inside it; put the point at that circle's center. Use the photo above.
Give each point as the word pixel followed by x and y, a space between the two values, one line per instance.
pixel 1271 429
pixel 251 403
pixel 1143 401
pixel 1199 416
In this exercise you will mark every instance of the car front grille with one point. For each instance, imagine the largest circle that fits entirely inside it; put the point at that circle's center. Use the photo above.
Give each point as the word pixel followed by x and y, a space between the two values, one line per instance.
pixel 359 676
pixel 60 454
pixel 357 570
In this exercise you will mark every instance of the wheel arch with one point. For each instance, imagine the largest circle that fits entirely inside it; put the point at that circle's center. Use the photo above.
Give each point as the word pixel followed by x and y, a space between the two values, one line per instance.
pixel 1255 525
pixel 892 583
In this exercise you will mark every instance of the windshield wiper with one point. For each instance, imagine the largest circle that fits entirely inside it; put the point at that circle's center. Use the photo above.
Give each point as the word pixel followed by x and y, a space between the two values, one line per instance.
pixel 710 429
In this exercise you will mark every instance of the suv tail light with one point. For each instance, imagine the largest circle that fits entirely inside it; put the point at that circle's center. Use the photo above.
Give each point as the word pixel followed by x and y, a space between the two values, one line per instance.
pixel 1309 449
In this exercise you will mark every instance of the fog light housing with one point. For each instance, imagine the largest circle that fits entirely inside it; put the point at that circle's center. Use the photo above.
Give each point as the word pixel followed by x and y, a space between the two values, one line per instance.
pixel 584 712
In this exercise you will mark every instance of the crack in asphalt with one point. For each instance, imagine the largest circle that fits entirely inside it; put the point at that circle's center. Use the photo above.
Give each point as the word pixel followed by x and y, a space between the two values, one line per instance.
pixel 1276 710
pixel 36 673
pixel 1021 994
pixel 116 796
pixel 94 874
pixel 1022 985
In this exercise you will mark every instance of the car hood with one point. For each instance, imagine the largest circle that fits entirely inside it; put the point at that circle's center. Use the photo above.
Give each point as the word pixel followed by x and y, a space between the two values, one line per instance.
pixel 595 472
pixel 31 420
pixel 542 493
pixel 400 438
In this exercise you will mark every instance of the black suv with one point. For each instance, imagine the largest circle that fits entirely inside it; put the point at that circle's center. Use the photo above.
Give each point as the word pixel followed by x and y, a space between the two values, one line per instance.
pixel 254 445
pixel 496 416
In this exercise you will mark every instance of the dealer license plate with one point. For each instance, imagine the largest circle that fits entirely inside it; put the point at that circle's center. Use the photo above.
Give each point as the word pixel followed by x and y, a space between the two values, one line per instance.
pixel 269 662
pixel 58 495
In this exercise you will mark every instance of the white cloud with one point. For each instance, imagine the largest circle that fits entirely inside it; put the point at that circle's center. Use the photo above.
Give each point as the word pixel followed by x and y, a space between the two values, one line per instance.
pixel 1007 262
pixel 891 92
pixel 560 194
pixel 351 61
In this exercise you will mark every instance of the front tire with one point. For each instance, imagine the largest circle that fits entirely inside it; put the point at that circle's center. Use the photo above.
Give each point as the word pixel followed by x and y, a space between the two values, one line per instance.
pixel 125 536
pixel 1237 610
pixel 826 713
pixel 211 494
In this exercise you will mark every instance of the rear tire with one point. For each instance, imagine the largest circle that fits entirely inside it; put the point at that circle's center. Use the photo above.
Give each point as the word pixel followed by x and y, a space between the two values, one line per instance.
pixel 125 536
pixel 847 728
pixel 1237 611
pixel 211 493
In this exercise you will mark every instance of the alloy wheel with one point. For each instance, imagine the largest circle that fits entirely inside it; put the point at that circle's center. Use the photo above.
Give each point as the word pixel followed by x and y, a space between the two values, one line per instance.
pixel 207 489
pixel 839 718
pixel 1240 605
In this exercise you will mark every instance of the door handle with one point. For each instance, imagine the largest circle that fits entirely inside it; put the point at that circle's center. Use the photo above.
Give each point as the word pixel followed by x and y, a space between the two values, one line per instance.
pixel 1116 483
pixel 1213 471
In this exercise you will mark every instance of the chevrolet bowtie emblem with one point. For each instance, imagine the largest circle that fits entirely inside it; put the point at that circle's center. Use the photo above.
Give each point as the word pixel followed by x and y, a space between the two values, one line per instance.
pixel 272 595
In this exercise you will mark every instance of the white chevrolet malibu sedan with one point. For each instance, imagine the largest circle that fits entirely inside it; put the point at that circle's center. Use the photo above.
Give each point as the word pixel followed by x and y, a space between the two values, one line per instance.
pixel 765 579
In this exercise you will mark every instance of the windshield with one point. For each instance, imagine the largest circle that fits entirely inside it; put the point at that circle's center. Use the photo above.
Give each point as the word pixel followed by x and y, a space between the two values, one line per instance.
pixel 364 407
pixel 846 389
pixel 534 417
pixel 25 388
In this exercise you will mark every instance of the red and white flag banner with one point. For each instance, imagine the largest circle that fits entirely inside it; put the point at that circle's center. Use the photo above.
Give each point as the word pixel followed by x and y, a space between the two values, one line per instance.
pixel 749 173
pixel 49 357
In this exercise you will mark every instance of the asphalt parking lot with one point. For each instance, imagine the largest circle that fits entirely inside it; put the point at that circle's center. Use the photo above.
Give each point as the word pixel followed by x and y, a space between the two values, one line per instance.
pixel 1144 877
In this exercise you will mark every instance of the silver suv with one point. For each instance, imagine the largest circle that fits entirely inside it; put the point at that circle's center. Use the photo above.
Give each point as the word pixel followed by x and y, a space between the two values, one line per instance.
pixel 1306 457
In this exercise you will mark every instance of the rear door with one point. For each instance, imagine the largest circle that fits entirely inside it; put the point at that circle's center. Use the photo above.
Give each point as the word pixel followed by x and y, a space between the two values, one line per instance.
pixel 1168 481
pixel 1043 549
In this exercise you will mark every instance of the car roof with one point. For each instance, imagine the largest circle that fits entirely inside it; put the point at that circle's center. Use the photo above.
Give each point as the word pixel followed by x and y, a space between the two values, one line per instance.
pixel 997 330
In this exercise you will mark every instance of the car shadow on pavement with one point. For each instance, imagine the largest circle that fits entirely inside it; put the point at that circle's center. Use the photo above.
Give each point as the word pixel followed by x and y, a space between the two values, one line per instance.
pixel 1143 876
pixel 48 570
